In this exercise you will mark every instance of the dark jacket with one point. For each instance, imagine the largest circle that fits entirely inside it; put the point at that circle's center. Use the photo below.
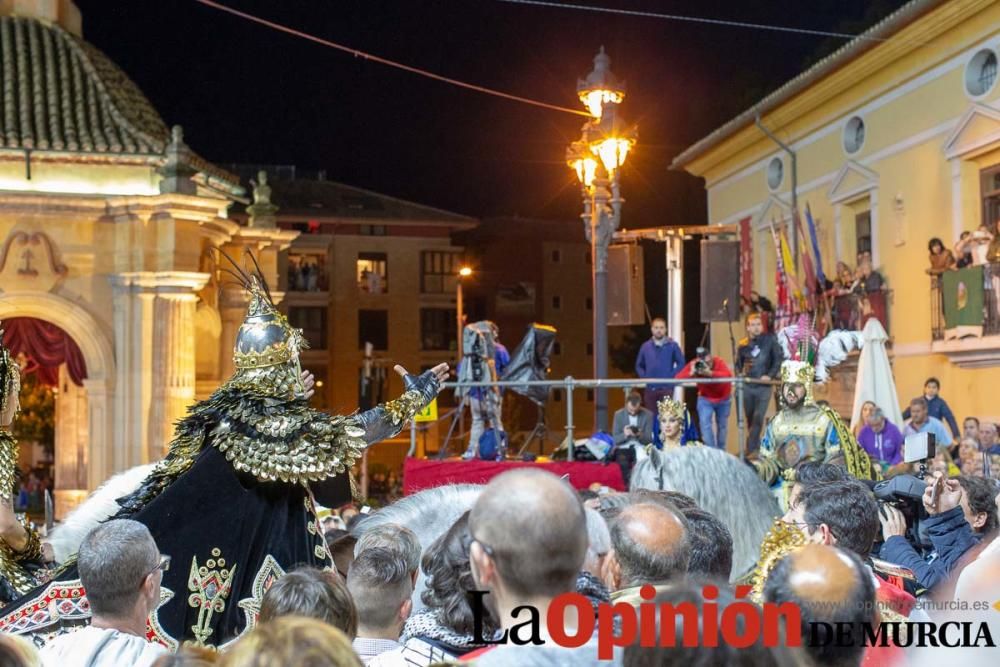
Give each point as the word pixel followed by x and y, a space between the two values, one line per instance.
pixel 645 426
pixel 937 407
pixel 950 534
pixel 759 356
pixel 659 361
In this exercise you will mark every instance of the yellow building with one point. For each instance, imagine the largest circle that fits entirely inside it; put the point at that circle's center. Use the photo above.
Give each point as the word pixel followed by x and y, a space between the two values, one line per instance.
pixel 896 138
pixel 107 225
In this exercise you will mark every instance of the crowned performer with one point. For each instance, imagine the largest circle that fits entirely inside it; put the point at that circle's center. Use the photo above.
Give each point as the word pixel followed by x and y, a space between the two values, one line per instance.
pixel 803 430
pixel 20 548
pixel 234 502
pixel 674 427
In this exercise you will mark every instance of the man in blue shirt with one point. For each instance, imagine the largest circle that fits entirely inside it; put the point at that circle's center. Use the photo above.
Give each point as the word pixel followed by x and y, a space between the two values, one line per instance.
pixel 659 357
pixel 486 403
pixel 922 422
pixel 936 406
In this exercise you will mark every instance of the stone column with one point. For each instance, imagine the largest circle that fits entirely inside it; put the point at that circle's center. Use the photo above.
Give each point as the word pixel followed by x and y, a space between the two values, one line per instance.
pixel 154 345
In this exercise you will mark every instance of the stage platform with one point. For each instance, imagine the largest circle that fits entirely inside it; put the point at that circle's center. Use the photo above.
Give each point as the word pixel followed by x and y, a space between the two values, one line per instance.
pixel 420 474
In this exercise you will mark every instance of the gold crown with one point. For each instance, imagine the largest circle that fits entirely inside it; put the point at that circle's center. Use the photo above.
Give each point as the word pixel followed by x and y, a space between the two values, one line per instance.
pixel 668 407
pixel 797 372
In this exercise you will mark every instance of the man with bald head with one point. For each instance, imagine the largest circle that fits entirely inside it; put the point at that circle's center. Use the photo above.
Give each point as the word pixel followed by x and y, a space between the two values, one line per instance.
pixel 649 545
pixel 830 586
pixel 529 540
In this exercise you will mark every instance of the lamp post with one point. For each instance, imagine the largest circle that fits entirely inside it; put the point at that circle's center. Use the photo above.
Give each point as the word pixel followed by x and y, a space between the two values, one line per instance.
pixel 463 272
pixel 597 158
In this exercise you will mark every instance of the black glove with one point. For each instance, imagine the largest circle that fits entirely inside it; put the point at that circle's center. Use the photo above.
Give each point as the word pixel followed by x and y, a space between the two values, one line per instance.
pixel 426 383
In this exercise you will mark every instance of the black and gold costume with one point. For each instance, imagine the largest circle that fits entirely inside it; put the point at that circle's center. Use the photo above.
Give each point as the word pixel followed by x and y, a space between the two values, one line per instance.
pixel 18 567
pixel 233 503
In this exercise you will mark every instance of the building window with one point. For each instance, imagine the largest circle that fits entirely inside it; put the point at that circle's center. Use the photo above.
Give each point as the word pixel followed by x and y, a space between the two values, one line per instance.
pixel 307 272
pixel 373 327
pixel 590 395
pixel 557 348
pixel 863 231
pixel 372 230
pixel 556 302
pixel 312 321
pixel 989 186
pixel 775 173
pixel 854 135
pixel 589 304
pixel 981 73
pixel 373 272
pixel 439 271
pixel 438 329
pixel 590 349
pixel 556 256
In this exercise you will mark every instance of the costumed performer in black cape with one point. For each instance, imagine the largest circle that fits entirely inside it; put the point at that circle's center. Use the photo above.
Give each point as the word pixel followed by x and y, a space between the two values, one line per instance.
pixel 234 502
pixel 20 547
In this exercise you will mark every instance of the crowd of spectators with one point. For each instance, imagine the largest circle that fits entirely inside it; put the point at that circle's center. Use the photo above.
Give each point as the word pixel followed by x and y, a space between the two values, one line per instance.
pixel 621 549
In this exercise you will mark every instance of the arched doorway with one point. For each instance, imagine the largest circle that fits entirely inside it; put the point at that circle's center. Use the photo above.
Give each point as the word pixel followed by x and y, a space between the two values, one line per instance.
pixel 83 424
pixel 52 427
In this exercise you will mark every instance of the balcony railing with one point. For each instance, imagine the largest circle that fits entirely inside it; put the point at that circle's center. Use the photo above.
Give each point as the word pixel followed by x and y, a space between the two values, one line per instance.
pixel 851 311
pixel 991 306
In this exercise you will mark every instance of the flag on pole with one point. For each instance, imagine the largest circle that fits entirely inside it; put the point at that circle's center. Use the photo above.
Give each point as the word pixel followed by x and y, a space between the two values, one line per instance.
pixel 810 284
pixel 780 279
pixel 790 275
pixel 820 275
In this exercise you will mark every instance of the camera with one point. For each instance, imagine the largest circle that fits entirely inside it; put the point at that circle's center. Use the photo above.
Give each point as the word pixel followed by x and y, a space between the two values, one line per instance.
pixel 703 363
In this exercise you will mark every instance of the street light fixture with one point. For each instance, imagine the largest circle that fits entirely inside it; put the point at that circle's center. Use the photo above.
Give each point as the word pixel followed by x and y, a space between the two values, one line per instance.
pixel 463 272
pixel 597 158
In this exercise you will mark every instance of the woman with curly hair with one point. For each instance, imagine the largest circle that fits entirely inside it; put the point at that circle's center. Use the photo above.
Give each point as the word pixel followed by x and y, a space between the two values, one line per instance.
pixel 444 629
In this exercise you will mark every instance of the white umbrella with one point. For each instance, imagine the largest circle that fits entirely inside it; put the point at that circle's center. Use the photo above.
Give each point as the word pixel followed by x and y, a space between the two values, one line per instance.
pixel 875 382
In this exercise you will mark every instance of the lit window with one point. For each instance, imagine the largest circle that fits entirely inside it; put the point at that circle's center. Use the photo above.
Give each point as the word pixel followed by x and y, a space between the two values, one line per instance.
pixel 373 272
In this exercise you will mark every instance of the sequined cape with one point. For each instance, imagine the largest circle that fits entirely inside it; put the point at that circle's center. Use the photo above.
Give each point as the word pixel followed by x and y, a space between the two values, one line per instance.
pixel 18 567
pixel 233 504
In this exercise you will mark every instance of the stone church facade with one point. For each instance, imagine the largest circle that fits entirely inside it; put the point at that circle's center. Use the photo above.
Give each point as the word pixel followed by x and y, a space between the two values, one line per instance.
pixel 108 223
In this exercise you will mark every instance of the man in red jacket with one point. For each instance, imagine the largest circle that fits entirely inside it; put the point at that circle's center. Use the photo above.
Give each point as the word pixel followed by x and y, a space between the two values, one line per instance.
pixel 714 399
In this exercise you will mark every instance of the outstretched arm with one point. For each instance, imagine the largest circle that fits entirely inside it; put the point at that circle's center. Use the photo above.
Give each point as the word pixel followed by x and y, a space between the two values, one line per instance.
pixel 386 420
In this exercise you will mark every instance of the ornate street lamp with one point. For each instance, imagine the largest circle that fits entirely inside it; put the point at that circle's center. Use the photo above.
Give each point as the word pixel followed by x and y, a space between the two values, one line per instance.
pixel 597 158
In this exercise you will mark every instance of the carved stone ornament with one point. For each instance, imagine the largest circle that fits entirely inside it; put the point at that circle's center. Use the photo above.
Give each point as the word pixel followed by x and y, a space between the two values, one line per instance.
pixel 28 262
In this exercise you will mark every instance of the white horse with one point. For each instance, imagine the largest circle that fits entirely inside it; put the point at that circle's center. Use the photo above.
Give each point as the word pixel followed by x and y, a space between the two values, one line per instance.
pixel 722 485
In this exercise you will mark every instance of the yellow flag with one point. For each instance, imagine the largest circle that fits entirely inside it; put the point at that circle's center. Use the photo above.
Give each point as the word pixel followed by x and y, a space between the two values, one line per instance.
pixel 793 279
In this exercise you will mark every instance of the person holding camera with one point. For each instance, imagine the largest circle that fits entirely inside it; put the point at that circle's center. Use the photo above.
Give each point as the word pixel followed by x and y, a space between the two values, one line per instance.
pixel 714 399
pixel 961 511
pixel 632 427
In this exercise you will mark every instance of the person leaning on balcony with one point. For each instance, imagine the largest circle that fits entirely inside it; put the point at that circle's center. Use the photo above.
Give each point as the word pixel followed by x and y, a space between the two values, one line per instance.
pixel 963 250
pixel 941 258
pixel 993 251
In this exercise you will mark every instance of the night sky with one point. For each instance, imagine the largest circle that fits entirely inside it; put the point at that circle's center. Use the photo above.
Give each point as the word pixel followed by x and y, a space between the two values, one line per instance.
pixel 245 93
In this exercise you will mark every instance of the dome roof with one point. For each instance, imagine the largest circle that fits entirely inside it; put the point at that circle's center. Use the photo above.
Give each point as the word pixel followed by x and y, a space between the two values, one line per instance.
pixel 59 93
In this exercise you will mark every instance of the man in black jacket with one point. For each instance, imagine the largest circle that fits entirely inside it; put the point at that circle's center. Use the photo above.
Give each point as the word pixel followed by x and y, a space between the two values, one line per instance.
pixel 759 357
pixel 963 512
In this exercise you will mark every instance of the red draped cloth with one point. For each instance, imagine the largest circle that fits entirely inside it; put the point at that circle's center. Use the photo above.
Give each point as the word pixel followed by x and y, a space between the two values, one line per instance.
pixel 46 348
pixel 420 474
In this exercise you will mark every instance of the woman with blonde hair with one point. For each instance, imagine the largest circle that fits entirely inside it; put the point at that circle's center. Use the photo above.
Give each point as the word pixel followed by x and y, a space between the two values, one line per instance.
pixel 292 640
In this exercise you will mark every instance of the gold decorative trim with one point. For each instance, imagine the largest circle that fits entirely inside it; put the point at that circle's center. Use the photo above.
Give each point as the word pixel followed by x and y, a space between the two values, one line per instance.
pixel 209 586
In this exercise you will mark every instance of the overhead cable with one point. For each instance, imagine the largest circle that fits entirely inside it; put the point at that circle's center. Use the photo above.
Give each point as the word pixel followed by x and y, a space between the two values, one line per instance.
pixel 385 61
pixel 692 19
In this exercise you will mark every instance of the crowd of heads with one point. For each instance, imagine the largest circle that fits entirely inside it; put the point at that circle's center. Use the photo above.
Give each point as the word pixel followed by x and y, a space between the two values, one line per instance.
pixel 528 538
